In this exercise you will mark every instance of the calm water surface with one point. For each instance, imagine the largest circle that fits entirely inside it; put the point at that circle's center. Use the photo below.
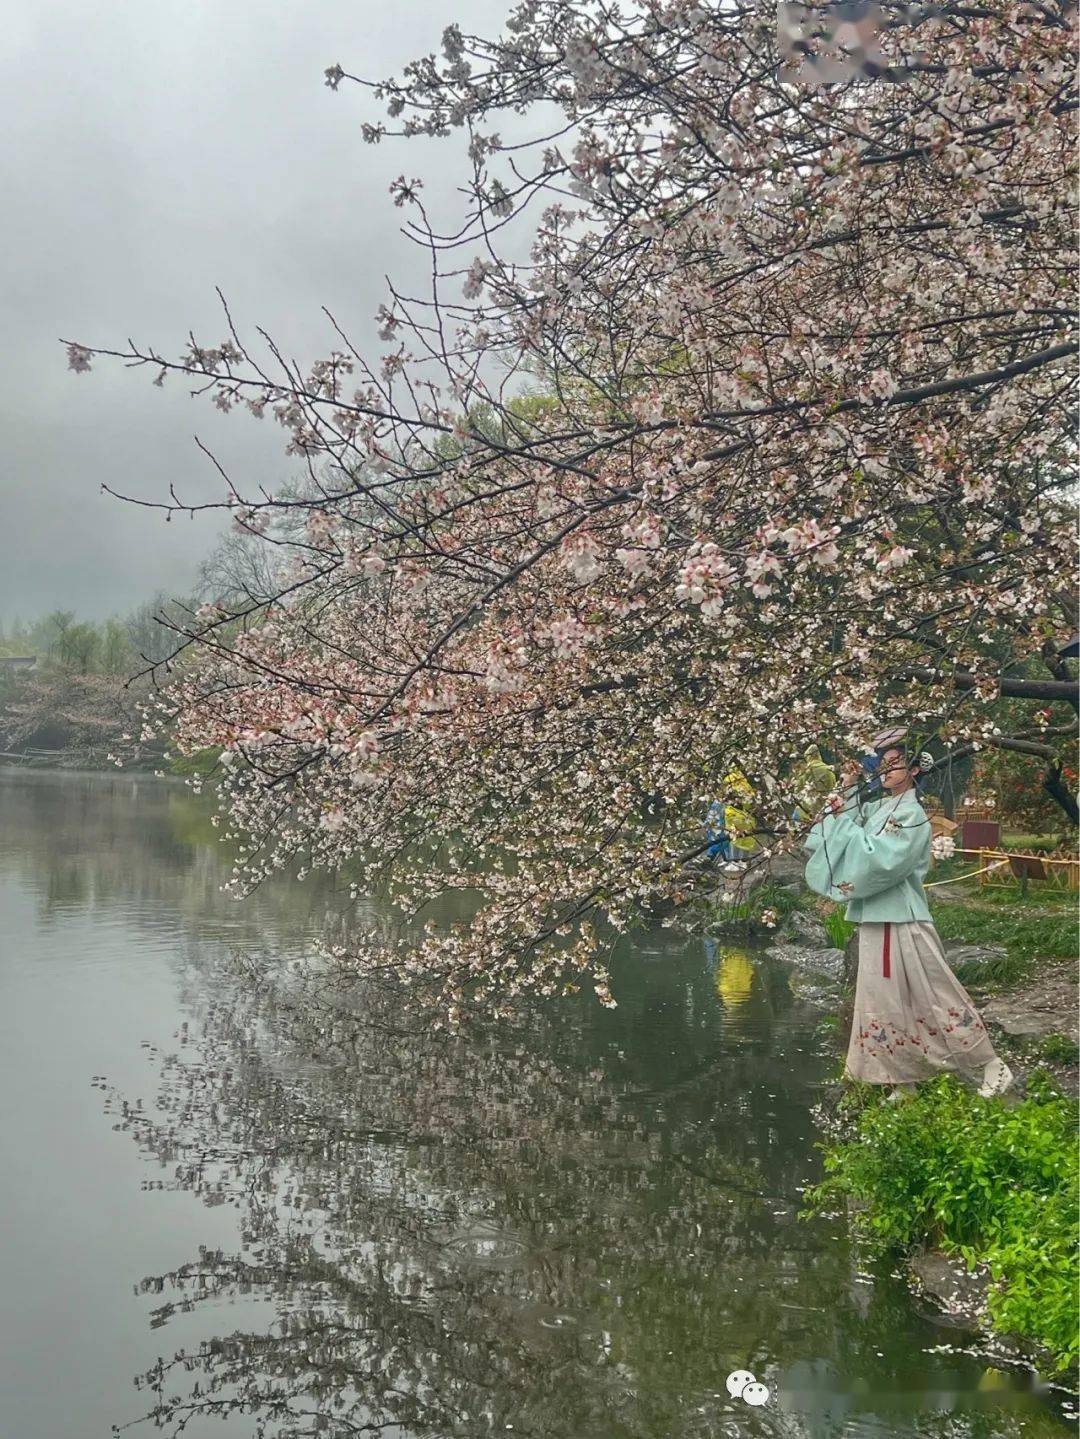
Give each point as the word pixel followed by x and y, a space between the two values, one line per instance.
pixel 227 1207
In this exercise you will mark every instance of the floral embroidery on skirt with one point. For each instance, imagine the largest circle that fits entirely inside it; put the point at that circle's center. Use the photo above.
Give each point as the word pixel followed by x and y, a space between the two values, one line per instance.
pixel 917 1019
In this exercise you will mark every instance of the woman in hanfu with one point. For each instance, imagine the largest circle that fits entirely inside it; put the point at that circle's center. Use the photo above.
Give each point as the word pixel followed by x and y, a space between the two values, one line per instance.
pixel 912 1017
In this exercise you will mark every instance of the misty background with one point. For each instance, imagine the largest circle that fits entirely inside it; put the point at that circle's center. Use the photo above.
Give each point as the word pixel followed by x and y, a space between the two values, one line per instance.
pixel 155 150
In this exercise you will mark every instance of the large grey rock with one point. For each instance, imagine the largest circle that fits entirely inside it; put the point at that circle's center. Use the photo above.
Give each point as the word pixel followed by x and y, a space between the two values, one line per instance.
pixel 956 1297
pixel 1045 1006
pixel 787 869
pixel 961 1293
pixel 823 963
pixel 807 929
pixel 977 956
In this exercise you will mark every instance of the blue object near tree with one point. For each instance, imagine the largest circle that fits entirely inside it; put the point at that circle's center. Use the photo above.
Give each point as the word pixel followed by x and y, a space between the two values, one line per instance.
pixel 714 830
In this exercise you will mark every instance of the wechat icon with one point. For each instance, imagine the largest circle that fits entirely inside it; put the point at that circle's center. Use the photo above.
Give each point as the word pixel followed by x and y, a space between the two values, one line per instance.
pixel 741 1384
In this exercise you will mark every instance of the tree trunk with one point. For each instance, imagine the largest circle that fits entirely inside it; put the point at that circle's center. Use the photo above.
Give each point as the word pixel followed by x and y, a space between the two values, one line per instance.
pixel 1058 791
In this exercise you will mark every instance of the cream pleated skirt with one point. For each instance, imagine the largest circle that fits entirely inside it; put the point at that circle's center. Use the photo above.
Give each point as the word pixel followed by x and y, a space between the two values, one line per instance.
pixel 912 1018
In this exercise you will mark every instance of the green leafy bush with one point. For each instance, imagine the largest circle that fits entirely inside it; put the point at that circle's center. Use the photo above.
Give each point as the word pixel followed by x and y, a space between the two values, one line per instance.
pixel 979 1179
pixel 748 910
pixel 838 928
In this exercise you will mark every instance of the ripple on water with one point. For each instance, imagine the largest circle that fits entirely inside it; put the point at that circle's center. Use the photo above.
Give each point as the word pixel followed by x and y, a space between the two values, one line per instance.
pixel 483 1245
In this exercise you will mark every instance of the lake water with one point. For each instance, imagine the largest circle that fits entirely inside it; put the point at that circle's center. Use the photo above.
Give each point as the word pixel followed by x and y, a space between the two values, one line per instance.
pixel 227 1202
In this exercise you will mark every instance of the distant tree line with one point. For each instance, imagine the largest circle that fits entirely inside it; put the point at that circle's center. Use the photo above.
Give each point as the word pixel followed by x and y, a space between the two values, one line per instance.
pixel 118 646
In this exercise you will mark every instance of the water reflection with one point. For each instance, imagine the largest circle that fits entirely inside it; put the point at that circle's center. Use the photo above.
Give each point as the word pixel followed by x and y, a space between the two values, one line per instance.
pixel 576 1227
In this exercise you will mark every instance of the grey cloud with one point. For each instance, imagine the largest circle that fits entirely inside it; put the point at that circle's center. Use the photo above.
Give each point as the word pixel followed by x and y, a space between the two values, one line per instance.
pixel 153 151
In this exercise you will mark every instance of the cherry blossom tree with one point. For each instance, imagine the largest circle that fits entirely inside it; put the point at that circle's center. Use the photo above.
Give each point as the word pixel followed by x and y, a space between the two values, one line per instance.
pixel 767 441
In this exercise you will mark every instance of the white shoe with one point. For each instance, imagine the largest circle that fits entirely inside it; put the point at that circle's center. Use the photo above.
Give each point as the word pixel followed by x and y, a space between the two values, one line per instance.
pixel 997 1078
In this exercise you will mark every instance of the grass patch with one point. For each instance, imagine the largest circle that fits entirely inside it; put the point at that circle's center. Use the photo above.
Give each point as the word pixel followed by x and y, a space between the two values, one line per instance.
pixel 1029 842
pixel 974 1178
pixel 1026 933
pixel 838 928
pixel 1057 1049
pixel 1042 896
pixel 202 762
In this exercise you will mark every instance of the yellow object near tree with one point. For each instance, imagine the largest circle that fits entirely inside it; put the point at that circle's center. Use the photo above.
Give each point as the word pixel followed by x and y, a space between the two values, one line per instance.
pixel 813 781
pixel 740 823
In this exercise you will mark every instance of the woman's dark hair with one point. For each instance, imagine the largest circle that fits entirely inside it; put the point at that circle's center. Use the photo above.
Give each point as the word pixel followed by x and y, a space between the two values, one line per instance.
pixel 911 752
pixel 909 757
pixel 900 748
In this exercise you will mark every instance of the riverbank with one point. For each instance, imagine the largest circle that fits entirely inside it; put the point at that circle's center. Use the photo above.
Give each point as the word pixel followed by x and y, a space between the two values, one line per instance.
pixel 979 1196
pixel 76 759
pixel 52 717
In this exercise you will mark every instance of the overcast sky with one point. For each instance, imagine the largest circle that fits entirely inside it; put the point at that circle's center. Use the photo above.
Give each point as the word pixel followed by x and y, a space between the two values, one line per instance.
pixel 155 149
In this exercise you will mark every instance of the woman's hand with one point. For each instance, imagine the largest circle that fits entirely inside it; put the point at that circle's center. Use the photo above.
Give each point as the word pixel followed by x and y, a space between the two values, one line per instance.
pixel 851 774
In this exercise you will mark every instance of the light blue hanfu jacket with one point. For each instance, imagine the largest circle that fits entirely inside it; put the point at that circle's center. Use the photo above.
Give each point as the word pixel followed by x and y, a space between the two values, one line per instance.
pixel 874 857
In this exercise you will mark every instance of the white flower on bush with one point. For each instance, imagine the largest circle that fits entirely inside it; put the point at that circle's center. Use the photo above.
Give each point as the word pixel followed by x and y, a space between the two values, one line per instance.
pixel 646 530
pixel 809 537
pixel 474 280
pixel 499 677
pixel 256 520
pixel 364 748
pixel 548 501
pixel 880 385
pixel 769 918
pixel 649 409
pixel 414 582
pixel 368 565
pixel 644 533
pixel 943 846
pixel 78 358
pixel 320 526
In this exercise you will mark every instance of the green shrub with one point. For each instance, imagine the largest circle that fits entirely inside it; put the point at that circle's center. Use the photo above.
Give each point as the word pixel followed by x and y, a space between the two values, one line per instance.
pixel 838 928
pixel 1038 896
pixel 1030 842
pixel 975 1178
pixel 748 910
